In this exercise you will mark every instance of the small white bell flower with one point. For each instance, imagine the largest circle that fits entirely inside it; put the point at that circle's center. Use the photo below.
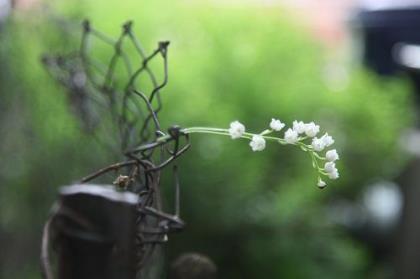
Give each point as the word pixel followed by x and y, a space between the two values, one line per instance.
pixel 329 167
pixel 328 140
pixel 291 136
pixel 311 129
pixel 257 143
pixel 276 124
pixel 332 155
pixel 334 174
pixel 318 144
pixel 236 130
pixel 299 126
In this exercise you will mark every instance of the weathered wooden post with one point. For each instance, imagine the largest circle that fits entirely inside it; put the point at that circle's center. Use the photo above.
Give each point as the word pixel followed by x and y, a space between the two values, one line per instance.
pixel 92 230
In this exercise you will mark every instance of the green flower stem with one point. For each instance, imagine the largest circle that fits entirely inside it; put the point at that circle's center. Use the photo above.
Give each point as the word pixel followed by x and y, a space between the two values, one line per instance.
pixel 266 132
pixel 225 132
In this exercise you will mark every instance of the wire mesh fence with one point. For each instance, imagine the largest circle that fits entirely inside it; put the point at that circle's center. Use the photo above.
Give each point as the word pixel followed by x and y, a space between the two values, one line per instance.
pixel 117 99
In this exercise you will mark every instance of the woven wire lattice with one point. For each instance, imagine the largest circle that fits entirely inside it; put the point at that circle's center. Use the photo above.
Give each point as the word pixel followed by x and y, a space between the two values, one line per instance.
pixel 118 102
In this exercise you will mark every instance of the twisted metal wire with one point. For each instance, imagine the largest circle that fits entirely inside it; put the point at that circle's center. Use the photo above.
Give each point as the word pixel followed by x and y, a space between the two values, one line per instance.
pixel 103 101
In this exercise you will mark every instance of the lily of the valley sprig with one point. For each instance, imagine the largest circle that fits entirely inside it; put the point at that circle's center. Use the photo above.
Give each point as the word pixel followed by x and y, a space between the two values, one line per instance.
pixel 303 135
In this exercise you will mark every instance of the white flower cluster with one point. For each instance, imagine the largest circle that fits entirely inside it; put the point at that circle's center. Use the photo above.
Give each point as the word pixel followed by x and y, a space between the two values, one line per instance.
pixel 296 135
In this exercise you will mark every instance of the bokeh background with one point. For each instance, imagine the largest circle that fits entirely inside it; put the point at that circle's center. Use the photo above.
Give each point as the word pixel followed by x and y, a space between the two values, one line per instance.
pixel 256 215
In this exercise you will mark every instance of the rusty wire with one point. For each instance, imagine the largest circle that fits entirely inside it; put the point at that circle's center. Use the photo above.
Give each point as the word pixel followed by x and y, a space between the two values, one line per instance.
pixel 103 102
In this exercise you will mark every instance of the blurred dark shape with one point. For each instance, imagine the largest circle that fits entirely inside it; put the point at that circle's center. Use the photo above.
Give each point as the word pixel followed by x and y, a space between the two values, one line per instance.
pixel 193 266
pixel 408 253
pixel 382 30
pixel 391 41
pixel 408 58
pixel 388 39
pixel 93 232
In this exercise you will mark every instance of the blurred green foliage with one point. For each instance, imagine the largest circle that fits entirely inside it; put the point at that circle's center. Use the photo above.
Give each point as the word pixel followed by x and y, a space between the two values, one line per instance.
pixel 258 215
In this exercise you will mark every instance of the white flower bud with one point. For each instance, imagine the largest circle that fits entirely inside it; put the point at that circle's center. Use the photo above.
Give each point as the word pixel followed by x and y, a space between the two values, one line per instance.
pixel 328 140
pixel 291 136
pixel 257 143
pixel 299 127
pixel 318 144
pixel 236 130
pixel 329 167
pixel 276 124
pixel 311 129
pixel 332 155
pixel 321 184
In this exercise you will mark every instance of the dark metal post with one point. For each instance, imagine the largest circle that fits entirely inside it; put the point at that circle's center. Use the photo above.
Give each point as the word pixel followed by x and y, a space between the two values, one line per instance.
pixel 93 232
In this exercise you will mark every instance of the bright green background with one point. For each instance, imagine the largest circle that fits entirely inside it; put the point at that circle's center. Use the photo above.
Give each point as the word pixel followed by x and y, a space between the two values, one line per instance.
pixel 257 215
